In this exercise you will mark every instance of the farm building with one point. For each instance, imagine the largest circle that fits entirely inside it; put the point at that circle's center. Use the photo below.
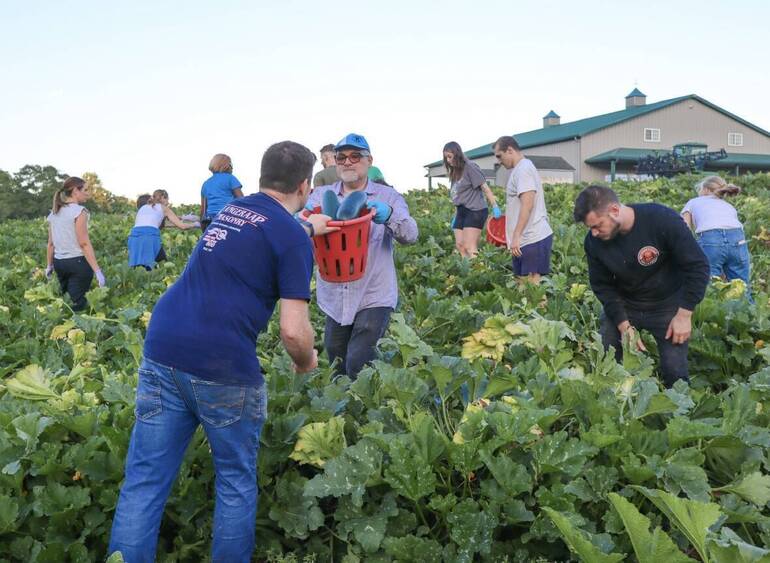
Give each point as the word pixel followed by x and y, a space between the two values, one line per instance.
pixel 607 146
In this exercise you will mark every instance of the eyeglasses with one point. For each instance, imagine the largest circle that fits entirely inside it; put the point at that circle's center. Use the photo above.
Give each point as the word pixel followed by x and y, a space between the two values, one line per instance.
pixel 354 157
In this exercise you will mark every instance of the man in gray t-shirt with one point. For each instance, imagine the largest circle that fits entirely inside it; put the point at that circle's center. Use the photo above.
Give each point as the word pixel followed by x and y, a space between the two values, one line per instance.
pixel 328 175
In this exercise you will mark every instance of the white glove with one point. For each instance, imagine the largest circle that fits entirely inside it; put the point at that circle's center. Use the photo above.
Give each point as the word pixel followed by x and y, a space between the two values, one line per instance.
pixel 100 278
pixel 49 271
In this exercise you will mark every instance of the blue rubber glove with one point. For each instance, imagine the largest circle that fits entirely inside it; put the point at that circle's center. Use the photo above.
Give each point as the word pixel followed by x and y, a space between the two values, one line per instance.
pixel 309 206
pixel 496 212
pixel 382 211
pixel 454 220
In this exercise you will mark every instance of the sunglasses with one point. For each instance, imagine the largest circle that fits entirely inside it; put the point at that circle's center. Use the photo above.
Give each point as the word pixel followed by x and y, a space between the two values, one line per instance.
pixel 354 158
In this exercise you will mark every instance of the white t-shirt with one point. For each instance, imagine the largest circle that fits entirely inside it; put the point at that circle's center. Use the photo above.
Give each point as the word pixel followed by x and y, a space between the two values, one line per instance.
pixel 711 212
pixel 149 216
pixel 65 241
pixel 525 178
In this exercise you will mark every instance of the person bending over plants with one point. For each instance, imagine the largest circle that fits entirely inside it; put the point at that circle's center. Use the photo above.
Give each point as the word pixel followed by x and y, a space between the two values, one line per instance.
pixel 200 365
pixel 718 229
pixel 145 246
pixel 648 272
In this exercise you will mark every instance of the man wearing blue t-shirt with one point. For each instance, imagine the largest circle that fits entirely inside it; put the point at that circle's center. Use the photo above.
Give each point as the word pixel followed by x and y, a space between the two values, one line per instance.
pixel 200 363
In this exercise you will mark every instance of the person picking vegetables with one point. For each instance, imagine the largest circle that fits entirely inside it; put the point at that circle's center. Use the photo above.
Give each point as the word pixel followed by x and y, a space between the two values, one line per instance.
pixel 358 312
pixel 200 364
pixel 647 270
pixel 468 190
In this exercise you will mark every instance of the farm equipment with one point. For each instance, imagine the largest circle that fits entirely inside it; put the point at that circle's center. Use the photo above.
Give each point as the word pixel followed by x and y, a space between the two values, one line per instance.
pixel 683 158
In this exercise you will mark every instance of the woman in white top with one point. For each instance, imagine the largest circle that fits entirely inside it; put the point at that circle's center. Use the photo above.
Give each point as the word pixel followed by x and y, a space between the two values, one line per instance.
pixel 718 230
pixel 144 243
pixel 70 253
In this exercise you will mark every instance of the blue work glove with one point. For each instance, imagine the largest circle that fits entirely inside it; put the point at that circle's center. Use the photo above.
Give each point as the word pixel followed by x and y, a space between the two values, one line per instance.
pixel 454 220
pixel 496 212
pixel 383 211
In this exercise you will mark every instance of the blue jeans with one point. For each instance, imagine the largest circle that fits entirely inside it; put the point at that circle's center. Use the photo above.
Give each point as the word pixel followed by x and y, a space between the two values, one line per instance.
pixel 356 345
pixel 673 357
pixel 170 404
pixel 728 252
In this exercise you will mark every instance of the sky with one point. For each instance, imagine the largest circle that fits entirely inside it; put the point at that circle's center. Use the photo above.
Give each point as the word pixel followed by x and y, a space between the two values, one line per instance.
pixel 145 93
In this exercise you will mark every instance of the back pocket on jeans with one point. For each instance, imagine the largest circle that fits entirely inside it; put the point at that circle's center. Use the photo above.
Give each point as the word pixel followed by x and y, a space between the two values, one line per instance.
pixel 218 404
pixel 147 395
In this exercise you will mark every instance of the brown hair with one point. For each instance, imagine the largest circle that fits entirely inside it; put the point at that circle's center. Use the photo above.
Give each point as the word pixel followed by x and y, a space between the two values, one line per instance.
pixel 70 185
pixel 285 166
pixel 594 198
pixel 455 170
pixel 221 163
pixel 716 185
pixel 505 142
pixel 142 200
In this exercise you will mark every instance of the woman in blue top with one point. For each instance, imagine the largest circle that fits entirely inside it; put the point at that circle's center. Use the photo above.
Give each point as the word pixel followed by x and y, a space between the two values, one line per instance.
pixel 219 190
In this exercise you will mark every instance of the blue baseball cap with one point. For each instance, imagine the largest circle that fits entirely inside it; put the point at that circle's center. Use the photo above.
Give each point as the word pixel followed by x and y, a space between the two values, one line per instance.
pixel 352 140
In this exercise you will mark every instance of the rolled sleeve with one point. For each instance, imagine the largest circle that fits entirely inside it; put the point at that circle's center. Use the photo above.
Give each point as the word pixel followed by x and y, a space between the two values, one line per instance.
pixel 401 223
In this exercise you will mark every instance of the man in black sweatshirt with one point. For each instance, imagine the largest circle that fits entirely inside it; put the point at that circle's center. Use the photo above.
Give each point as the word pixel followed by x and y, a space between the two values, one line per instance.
pixel 647 270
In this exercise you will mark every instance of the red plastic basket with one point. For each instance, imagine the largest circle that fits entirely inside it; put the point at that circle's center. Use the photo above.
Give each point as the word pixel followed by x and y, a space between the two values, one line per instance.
pixel 496 231
pixel 341 255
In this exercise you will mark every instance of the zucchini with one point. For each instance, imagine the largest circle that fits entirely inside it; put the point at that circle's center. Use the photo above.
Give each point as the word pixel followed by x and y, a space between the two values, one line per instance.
pixel 351 206
pixel 330 204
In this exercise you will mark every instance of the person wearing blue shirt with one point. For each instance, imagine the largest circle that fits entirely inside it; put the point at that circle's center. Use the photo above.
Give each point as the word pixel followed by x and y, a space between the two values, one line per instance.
pixel 200 363
pixel 219 190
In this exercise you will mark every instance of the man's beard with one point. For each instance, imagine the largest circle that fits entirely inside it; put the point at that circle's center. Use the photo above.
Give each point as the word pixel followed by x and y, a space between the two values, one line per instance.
pixel 349 176
pixel 615 230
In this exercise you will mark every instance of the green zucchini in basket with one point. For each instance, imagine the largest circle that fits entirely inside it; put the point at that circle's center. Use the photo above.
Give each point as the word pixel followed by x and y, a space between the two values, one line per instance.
pixel 330 204
pixel 351 206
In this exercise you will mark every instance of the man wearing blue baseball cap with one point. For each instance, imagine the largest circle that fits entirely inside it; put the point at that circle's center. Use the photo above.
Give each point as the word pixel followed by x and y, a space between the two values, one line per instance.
pixel 358 312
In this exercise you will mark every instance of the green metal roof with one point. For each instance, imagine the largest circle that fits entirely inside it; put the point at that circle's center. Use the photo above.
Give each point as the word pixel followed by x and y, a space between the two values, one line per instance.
pixel 635 93
pixel 632 156
pixel 743 160
pixel 582 127
pixel 551 114
pixel 621 155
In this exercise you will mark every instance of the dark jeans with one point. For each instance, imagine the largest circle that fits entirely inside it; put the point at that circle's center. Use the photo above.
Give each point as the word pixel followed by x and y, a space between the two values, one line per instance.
pixel 354 345
pixel 75 276
pixel 673 357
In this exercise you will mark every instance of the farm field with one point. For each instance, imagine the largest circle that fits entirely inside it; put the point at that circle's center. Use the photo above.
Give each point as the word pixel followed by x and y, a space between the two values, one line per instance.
pixel 494 428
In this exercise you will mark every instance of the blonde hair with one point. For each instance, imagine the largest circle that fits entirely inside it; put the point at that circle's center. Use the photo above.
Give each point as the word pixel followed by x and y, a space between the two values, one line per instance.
pixel 221 163
pixel 716 185
pixel 70 185
pixel 157 195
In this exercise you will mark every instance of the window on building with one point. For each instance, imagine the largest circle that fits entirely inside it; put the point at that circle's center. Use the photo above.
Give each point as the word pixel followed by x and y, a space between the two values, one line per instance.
pixel 651 135
pixel 735 139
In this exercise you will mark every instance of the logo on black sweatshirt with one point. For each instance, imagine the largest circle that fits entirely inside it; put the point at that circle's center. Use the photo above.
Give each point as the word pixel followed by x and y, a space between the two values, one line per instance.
pixel 648 255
